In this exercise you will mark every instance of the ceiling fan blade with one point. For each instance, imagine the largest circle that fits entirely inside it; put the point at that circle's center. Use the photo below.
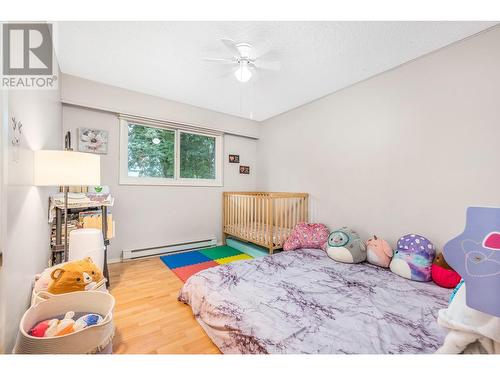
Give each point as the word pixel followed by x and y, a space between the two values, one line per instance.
pixel 268 65
pixel 231 46
pixel 220 61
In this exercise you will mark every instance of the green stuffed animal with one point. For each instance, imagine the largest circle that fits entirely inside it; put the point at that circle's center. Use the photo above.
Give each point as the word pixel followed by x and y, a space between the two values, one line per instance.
pixel 345 245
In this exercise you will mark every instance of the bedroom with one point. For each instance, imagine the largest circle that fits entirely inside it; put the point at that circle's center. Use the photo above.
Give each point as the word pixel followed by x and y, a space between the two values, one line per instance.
pixel 250 187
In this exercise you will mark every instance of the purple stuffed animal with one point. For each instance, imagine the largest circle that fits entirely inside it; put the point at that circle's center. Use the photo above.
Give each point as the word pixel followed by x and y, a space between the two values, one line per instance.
pixel 413 258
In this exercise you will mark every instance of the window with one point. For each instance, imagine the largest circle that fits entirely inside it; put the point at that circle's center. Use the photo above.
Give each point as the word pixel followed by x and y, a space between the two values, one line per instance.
pixel 165 155
pixel 197 156
pixel 151 152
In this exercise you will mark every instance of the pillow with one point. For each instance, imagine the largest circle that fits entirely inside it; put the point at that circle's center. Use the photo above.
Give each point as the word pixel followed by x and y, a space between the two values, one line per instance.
pixel 307 236
pixel 413 258
pixel 378 252
pixel 344 245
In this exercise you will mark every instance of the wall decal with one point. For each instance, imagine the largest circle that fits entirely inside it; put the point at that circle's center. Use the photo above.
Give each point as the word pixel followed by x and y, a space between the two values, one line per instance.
pixel 234 158
pixel 17 132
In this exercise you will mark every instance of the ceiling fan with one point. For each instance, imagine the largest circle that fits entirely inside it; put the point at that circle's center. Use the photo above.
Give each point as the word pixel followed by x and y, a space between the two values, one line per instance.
pixel 243 60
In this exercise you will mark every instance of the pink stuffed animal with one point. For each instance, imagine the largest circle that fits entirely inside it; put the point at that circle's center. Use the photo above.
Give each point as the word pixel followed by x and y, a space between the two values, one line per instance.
pixel 307 236
pixel 378 252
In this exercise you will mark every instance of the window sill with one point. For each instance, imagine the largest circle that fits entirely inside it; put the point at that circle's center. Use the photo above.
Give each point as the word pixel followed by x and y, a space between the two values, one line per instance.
pixel 162 182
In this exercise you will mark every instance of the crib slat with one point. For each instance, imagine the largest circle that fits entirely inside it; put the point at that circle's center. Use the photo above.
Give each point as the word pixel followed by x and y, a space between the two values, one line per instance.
pixel 237 213
pixel 287 226
pixel 266 220
pixel 294 212
pixel 224 216
pixel 234 214
pixel 240 219
pixel 300 213
pixel 261 220
pixel 271 225
pixel 307 208
pixel 254 217
pixel 246 217
pixel 243 230
pixel 282 241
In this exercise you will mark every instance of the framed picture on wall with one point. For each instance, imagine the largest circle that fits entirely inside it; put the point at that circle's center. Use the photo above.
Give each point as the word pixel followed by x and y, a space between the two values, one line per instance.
pixel 234 158
pixel 244 169
pixel 93 140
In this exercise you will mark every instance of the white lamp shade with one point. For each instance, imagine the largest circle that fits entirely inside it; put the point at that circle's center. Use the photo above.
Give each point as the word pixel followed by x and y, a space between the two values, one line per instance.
pixel 66 168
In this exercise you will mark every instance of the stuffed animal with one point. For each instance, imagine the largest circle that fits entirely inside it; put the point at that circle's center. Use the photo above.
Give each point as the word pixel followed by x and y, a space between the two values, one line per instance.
pixel 40 328
pixel 307 236
pixel 61 327
pixel 378 251
pixel 87 321
pixel 442 274
pixel 65 326
pixel 75 276
pixel 413 258
pixel 344 245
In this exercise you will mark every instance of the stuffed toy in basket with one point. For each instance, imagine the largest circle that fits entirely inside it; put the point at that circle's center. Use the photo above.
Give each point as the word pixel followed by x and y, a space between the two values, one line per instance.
pixel 74 276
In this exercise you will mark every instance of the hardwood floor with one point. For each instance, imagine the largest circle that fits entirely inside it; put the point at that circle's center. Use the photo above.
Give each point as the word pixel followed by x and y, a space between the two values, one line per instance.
pixel 148 317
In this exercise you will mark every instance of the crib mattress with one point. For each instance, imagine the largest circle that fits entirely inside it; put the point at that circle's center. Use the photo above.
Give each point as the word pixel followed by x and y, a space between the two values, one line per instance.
pixel 254 231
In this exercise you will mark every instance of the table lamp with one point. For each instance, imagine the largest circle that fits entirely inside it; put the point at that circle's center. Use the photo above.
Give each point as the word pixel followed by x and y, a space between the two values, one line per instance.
pixel 66 168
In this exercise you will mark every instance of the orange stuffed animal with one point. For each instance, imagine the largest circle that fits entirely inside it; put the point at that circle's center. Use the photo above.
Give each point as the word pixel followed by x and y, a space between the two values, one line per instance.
pixel 75 276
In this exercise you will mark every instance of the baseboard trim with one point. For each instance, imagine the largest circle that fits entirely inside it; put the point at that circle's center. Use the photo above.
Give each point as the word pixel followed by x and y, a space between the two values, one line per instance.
pixel 120 260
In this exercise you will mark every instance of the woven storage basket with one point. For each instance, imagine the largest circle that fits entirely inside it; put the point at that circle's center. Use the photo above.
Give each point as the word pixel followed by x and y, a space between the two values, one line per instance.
pixel 43 295
pixel 87 341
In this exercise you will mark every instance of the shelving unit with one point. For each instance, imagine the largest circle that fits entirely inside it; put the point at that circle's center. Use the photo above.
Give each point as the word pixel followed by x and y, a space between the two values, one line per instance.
pixel 57 242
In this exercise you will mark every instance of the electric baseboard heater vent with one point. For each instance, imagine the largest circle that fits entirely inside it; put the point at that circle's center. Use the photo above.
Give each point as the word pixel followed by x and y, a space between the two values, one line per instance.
pixel 167 249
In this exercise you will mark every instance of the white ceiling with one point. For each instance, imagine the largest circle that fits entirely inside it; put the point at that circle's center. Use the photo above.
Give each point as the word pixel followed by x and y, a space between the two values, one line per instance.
pixel 166 58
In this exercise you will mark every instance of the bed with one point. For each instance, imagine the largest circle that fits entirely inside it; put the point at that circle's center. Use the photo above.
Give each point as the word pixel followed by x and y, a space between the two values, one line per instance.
pixel 304 302
pixel 263 218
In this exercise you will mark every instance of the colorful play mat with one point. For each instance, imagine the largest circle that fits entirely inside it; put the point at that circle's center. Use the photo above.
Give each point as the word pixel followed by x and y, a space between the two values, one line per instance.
pixel 187 264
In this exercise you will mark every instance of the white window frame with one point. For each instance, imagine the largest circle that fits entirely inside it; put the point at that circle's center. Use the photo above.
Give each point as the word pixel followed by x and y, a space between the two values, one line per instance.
pixel 125 179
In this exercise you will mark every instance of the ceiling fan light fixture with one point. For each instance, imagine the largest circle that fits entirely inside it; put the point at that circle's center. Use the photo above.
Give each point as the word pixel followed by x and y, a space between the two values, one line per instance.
pixel 243 73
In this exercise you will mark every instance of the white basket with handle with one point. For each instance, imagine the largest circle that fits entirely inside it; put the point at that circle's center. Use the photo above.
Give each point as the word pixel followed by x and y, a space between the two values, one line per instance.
pixel 89 340
pixel 43 295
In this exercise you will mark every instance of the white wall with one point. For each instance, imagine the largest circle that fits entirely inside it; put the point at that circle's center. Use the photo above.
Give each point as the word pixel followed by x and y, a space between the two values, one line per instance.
pixel 26 237
pixel 150 216
pixel 93 94
pixel 3 207
pixel 405 151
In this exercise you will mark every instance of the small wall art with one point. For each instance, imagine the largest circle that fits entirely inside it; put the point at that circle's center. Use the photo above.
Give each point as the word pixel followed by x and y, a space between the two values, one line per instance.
pixel 234 158
pixel 244 169
pixel 93 140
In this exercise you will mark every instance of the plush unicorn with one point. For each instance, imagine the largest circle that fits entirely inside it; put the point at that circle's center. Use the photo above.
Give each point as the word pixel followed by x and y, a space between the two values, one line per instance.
pixel 378 251
pixel 413 258
pixel 344 245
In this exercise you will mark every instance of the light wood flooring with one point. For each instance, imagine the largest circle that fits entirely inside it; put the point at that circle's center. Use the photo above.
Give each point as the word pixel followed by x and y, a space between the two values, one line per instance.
pixel 148 317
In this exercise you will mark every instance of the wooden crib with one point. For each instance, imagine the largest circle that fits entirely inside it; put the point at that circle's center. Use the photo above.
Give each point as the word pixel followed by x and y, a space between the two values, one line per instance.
pixel 265 219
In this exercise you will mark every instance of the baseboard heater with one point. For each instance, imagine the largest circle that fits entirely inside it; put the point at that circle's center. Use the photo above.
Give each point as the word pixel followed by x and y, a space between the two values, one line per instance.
pixel 167 249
